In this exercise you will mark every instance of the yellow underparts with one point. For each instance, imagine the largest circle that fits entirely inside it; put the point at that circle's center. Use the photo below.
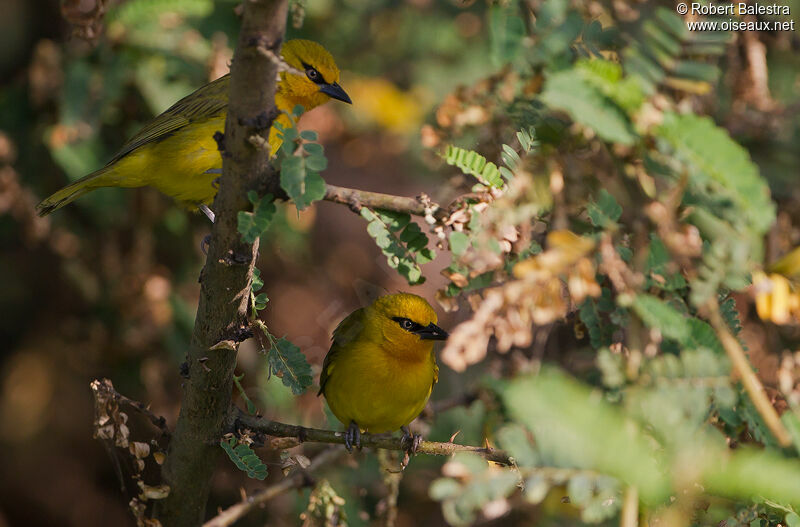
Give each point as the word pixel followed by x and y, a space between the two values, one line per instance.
pixel 376 390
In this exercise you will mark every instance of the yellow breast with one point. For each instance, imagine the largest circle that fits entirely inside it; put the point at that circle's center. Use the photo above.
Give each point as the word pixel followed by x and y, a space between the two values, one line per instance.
pixel 376 390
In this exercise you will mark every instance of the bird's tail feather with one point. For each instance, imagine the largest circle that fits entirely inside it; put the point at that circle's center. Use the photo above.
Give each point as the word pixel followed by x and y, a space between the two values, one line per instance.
pixel 72 192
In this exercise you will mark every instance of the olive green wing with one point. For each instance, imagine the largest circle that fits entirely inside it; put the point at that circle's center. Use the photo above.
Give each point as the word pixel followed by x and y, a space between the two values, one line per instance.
pixel 207 102
pixel 347 331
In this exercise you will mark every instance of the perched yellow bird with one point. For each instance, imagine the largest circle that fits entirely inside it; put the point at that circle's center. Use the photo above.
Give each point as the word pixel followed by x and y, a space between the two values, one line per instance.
pixel 177 153
pixel 380 369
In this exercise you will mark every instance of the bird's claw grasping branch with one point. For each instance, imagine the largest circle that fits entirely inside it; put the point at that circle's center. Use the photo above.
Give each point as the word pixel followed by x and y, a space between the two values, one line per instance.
pixel 315 435
pixel 352 437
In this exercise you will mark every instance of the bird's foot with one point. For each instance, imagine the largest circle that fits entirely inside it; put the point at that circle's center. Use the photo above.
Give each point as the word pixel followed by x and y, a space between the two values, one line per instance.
pixel 352 436
pixel 411 441
pixel 204 243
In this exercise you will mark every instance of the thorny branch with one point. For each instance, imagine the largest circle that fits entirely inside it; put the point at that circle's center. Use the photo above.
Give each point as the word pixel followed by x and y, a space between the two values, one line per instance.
pixel 419 206
pixel 301 434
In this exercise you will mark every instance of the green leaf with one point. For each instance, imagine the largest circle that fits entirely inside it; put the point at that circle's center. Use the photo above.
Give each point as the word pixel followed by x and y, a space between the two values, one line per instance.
pixel 258 283
pixel 302 184
pixel 261 300
pixel 606 211
pixel 506 31
pixel 317 163
pixel 244 458
pixel 657 314
pixel 315 191
pixel 565 417
pixel 606 76
pixel 290 364
pixel 569 91
pixel 474 164
pixel 443 488
pixel 401 241
pixel 459 242
pixel 516 440
pixel 308 135
pixel 251 225
pixel 313 149
pixel 719 163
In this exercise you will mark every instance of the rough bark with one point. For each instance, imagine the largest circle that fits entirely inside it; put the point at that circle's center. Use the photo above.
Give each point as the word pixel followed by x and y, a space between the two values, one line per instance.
pixel 221 321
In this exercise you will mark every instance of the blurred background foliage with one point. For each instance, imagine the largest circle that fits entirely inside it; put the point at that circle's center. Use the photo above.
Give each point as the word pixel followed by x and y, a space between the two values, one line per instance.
pixel 641 172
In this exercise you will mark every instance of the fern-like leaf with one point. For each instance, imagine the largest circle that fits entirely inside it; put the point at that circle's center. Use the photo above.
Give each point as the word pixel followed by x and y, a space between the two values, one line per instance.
pixel 244 458
pixel 290 364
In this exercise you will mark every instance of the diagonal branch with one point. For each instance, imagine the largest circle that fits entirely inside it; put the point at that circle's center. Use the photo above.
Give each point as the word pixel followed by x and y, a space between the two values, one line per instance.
pixel 301 434
pixel 300 478
pixel 753 386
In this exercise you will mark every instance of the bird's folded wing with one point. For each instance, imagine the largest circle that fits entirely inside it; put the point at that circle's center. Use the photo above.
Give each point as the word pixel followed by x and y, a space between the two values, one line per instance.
pixel 346 332
pixel 205 103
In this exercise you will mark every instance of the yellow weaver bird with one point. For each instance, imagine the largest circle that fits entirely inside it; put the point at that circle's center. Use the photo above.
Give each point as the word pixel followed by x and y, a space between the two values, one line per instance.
pixel 380 369
pixel 177 153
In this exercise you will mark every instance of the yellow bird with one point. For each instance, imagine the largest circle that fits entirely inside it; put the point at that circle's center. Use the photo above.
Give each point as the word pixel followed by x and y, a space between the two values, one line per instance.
pixel 380 369
pixel 177 153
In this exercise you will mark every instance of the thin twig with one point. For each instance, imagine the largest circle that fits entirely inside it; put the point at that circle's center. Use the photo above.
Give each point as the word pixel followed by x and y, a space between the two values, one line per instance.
pixel 355 199
pixel 300 478
pixel 315 435
pixel 106 389
pixel 750 381
pixel 629 517
pixel 158 421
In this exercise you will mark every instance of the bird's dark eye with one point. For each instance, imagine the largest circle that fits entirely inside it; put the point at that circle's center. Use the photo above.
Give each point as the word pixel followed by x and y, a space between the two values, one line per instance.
pixel 313 75
pixel 405 323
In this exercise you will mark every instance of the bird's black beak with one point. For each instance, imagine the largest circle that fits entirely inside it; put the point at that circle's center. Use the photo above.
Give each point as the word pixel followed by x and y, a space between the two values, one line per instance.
pixel 335 92
pixel 432 332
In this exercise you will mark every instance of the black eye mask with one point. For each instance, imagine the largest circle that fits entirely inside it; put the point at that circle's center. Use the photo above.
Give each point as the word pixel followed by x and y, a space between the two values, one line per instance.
pixel 429 332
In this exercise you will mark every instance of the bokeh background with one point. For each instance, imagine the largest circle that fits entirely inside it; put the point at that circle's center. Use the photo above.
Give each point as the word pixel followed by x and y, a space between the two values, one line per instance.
pixel 107 287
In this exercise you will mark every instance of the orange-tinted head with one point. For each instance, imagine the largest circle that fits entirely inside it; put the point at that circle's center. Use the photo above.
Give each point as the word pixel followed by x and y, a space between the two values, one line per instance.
pixel 407 324
pixel 320 79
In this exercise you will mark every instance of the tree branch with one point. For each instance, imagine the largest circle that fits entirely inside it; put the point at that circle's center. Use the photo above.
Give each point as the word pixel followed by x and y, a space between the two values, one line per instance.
pixel 355 199
pixel 419 206
pixel 300 478
pixel 753 386
pixel 221 321
pixel 302 434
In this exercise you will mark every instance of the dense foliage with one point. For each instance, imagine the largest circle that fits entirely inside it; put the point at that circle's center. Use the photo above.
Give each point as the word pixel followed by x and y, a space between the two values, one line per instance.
pixel 600 185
